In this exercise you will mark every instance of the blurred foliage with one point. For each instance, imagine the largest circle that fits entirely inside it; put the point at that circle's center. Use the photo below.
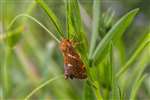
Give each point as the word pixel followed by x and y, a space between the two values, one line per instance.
pixel 29 56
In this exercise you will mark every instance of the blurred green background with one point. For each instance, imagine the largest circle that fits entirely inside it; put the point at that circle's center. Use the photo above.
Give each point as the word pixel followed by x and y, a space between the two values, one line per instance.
pixel 35 56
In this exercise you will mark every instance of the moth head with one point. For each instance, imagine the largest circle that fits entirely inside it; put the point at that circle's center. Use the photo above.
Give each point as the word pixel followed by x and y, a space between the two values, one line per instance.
pixel 65 45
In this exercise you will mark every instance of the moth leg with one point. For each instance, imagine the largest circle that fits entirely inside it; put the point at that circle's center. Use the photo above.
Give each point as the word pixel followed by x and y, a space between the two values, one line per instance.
pixel 66 77
pixel 75 44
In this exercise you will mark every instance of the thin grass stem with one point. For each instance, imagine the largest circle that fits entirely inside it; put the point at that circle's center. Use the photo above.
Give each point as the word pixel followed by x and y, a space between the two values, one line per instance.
pixel 133 57
pixel 5 72
pixel 41 86
pixel 35 20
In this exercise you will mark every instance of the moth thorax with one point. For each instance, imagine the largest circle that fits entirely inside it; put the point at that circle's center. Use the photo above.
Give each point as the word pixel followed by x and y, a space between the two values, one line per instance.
pixel 65 45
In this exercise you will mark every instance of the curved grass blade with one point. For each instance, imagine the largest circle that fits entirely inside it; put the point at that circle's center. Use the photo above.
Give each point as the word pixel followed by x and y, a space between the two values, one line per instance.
pixel 41 86
pixel 135 73
pixel 33 19
pixel 52 16
pixel 114 34
pixel 95 25
pixel 136 86
pixel 145 43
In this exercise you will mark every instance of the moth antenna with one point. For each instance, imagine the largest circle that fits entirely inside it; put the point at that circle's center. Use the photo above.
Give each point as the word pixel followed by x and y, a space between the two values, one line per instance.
pixel 74 37
pixel 77 43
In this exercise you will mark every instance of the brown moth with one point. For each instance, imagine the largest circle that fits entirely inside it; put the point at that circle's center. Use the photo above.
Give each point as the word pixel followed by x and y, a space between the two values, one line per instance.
pixel 73 65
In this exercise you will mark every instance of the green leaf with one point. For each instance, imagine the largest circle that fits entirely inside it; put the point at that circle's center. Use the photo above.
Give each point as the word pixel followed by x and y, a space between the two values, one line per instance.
pixel 7 83
pixel 136 72
pixel 138 51
pixel 69 17
pixel 114 34
pixel 136 86
pixel 74 15
pixel 52 16
pixel 97 91
pixel 88 92
pixel 116 91
pixel 75 29
pixel 95 25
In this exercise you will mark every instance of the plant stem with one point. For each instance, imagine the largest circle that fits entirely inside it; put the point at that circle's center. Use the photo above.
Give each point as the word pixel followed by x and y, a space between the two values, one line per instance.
pixel 5 72
pixel 95 25
pixel 96 90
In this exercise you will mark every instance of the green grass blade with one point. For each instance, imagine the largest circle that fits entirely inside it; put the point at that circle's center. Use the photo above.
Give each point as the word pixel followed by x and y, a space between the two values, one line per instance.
pixel 6 76
pixel 97 91
pixel 52 16
pixel 95 25
pixel 88 92
pixel 136 71
pixel 35 20
pixel 31 7
pixel 111 68
pixel 75 15
pixel 145 43
pixel 114 34
pixel 74 23
pixel 70 28
pixel 108 73
pixel 136 86
pixel 121 51
pixel 75 29
pixel 41 86
pixel 74 19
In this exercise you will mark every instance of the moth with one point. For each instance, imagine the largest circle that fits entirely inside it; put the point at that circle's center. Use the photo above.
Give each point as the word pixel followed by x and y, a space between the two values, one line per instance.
pixel 73 65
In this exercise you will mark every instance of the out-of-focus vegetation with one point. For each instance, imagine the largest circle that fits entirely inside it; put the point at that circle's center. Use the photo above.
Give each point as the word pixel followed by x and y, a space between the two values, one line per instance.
pixel 114 37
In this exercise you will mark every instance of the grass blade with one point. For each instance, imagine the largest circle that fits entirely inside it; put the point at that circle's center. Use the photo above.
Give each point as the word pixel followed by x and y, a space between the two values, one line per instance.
pixel 41 86
pixel 95 25
pixel 52 16
pixel 136 86
pixel 97 91
pixel 75 16
pixel 88 92
pixel 145 42
pixel 35 20
pixel 6 77
pixel 70 28
pixel 135 72
pixel 114 34
pixel 75 29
